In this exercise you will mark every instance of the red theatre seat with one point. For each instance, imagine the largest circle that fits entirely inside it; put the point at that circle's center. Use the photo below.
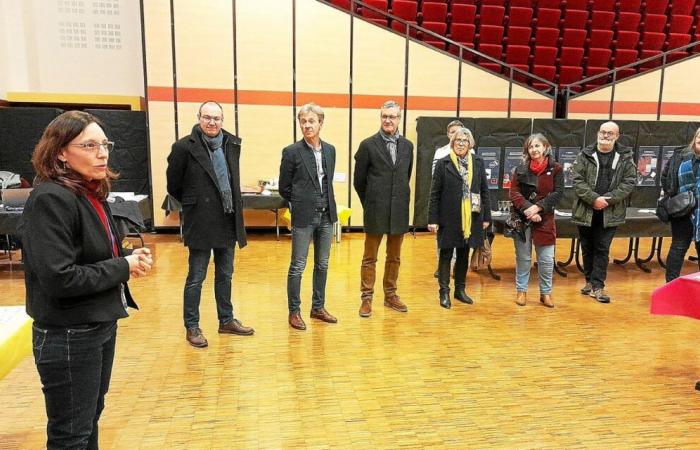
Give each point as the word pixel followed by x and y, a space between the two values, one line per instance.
pixel 518 35
pixel 682 7
pixel 628 21
pixel 491 34
pixel 681 24
pixel 568 75
pixel 655 6
pixel 598 57
pixel 581 5
pixel 547 37
pixel 494 51
pixel 379 4
pixel 462 32
pixel 549 73
pixel 523 3
pixel 405 9
pixel 573 38
pixel 547 18
pixel 654 23
pixel 600 39
pixel 602 20
pixel 436 27
pixel 493 2
pixel 544 56
pixel 626 39
pixel 491 15
pixel 575 19
pixel 517 54
pixel 629 5
pixel 652 41
pixel 552 4
pixel 675 40
pixel 520 17
pixel 433 12
pixel 345 4
pixel 603 5
pixel 463 14
pixel 570 56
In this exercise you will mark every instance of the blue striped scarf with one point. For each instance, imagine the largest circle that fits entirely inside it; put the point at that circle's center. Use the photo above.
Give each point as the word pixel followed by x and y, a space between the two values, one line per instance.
pixel 689 181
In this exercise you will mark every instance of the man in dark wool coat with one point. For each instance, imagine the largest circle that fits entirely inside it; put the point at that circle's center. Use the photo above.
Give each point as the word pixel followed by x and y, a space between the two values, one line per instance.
pixel 383 166
pixel 203 175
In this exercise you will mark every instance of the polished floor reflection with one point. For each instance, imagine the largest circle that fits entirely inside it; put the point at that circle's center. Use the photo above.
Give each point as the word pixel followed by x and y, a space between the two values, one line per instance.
pixel 490 375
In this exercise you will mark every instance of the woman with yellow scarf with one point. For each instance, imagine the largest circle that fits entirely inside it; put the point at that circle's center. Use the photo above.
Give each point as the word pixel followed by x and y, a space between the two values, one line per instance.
pixel 459 211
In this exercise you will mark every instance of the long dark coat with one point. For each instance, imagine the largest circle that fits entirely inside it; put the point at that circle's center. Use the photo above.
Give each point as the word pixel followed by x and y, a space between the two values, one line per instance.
pixel 383 187
pixel 445 207
pixel 192 181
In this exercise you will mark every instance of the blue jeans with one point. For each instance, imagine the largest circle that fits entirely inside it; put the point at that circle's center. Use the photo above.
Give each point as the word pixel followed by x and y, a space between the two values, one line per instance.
pixel 223 272
pixel 523 259
pixel 75 366
pixel 320 231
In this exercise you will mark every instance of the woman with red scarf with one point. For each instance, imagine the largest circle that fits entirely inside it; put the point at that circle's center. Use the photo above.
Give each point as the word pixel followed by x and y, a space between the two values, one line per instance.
pixel 76 276
pixel 537 186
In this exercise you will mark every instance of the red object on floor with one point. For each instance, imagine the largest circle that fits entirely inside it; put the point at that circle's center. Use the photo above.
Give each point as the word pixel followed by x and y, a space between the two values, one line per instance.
pixel 680 297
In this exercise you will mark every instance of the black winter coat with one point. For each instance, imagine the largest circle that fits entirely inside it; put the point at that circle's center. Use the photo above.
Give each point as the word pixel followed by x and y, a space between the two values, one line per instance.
pixel 70 275
pixel 445 207
pixel 383 187
pixel 192 181
pixel 298 183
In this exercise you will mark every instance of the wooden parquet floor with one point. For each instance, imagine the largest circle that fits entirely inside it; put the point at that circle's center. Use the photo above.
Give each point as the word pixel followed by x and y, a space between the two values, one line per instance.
pixel 491 375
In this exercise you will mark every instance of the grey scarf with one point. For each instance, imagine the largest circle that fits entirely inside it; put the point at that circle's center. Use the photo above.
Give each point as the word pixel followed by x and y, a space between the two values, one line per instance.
pixel 463 171
pixel 390 140
pixel 218 159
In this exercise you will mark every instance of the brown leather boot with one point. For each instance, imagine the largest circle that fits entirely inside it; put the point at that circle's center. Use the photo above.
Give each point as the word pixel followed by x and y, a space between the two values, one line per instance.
pixel 366 308
pixel 546 300
pixel 296 322
pixel 196 338
pixel 322 314
pixel 521 298
pixel 236 327
pixel 395 303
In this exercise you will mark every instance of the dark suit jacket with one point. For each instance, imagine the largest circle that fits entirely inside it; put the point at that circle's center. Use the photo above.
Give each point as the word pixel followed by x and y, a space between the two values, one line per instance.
pixel 383 187
pixel 298 182
pixel 70 275
pixel 192 181
pixel 446 204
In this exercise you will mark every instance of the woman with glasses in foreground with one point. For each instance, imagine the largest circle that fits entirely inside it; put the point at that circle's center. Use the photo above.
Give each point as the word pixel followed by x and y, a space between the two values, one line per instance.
pixel 459 211
pixel 537 186
pixel 76 276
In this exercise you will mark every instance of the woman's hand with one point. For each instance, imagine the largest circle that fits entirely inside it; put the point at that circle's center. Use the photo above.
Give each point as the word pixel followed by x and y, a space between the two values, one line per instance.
pixel 536 218
pixel 485 225
pixel 433 227
pixel 531 211
pixel 140 262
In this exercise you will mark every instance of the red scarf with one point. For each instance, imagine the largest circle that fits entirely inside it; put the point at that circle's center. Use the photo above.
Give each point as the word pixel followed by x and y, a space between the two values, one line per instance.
pixel 539 168
pixel 102 214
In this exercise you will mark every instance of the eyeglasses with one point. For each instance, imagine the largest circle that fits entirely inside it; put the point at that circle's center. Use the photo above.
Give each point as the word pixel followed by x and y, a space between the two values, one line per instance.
pixel 388 117
pixel 607 133
pixel 461 142
pixel 94 147
pixel 208 119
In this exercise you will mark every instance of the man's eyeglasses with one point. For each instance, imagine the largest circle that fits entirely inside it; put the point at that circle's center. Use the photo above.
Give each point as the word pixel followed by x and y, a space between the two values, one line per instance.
pixel 607 133
pixel 461 142
pixel 94 147
pixel 208 119
pixel 388 117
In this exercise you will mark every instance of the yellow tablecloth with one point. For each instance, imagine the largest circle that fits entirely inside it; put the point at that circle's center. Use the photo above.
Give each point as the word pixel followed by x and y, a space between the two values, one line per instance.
pixel 15 337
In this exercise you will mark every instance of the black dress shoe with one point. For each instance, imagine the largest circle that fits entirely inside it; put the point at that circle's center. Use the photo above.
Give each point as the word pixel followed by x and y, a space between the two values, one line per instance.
pixel 463 297
pixel 445 300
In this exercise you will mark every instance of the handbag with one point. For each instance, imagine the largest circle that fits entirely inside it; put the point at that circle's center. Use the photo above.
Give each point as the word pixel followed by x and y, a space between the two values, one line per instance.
pixel 481 257
pixel 680 205
pixel 515 225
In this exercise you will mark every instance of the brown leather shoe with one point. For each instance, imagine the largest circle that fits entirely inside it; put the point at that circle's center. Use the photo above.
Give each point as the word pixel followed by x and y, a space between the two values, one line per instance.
pixel 236 327
pixel 521 299
pixel 196 338
pixel 395 303
pixel 546 300
pixel 366 308
pixel 322 314
pixel 295 321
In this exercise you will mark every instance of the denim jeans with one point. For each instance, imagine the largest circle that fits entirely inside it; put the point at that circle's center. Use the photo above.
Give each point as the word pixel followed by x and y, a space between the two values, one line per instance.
pixel 223 271
pixel 681 237
pixel 523 262
pixel 75 366
pixel 320 231
pixel 595 247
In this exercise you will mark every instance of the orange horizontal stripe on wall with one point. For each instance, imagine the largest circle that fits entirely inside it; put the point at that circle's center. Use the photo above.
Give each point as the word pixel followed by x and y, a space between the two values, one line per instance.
pixel 332 100
pixel 625 107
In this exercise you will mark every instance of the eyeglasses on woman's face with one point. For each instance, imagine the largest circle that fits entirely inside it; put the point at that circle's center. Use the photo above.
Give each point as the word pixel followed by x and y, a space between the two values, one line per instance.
pixel 95 147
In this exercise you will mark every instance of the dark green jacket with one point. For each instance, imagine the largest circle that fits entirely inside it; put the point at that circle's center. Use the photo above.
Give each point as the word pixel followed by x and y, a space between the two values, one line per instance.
pixel 622 184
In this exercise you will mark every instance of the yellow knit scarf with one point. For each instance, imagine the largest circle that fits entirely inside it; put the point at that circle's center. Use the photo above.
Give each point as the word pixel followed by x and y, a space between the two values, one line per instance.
pixel 466 199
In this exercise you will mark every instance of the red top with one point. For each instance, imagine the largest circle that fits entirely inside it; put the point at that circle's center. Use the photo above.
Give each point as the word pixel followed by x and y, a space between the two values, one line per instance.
pixel 100 209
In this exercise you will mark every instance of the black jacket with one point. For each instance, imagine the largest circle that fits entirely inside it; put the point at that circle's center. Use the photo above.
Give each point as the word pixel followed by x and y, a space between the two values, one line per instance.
pixel 669 181
pixel 383 187
pixel 192 181
pixel 298 182
pixel 70 275
pixel 445 207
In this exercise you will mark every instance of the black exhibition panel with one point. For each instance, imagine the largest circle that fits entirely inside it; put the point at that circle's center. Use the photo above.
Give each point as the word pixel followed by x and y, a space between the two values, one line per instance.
pixel 21 129
pixel 130 155
pixel 692 128
pixel 432 134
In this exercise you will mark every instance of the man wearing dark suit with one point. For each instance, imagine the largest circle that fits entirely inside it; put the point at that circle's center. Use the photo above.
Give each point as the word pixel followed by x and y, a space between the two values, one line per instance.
pixel 383 166
pixel 306 181
pixel 203 175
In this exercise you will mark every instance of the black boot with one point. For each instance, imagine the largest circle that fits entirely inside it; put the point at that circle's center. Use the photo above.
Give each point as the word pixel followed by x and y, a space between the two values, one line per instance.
pixel 462 296
pixel 461 276
pixel 445 300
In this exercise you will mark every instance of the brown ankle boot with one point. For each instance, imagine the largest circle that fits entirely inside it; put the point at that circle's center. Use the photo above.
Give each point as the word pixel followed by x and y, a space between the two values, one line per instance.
pixel 521 298
pixel 546 300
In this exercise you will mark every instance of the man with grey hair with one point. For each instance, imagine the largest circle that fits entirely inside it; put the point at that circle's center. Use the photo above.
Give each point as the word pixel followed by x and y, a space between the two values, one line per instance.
pixel 440 153
pixel 203 175
pixel 383 166
pixel 604 178
pixel 306 181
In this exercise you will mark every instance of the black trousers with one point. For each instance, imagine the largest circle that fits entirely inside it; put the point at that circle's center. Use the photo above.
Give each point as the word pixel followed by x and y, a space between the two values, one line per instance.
pixel 461 266
pixel 681 238
pixel 595 247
